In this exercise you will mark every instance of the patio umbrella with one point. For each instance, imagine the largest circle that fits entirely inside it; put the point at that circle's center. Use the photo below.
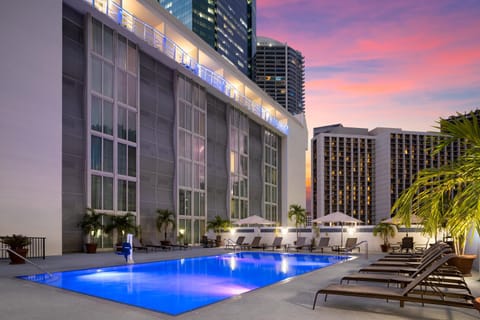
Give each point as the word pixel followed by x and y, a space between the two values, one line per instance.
pixel 337 217
pixel 414 219
pixel 255 220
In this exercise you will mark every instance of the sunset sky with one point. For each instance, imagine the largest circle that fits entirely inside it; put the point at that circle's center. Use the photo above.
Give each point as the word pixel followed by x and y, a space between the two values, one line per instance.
pixel 377 63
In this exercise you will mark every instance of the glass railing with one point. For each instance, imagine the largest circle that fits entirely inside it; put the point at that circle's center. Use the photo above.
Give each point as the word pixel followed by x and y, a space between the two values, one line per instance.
pixel 168 47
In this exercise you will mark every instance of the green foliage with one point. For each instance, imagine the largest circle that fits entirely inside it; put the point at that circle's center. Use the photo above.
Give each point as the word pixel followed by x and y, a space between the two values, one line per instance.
pixel 165 220
pixel 298 214
pixel 448 196
pixel 16 241
pixel 218 224
pixel 90 223
pixel 124 224
pixel 385 230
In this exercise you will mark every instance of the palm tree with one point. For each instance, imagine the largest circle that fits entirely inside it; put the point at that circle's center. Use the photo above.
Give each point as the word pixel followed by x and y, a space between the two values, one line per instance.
pixel 218 224
pixel 448 196
pixel 298 214
pixel 123 224
pixel 165 220
pixel 91 223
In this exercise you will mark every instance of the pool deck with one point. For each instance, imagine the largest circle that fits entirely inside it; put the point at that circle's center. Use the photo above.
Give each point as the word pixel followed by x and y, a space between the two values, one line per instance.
pixel 288 300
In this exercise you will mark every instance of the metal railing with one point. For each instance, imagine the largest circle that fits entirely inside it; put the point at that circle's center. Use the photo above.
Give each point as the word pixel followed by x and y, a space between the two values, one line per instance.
pixel 36 248
pixel 165 45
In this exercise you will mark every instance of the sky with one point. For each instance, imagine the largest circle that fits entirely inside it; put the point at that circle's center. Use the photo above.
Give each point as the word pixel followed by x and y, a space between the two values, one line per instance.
pixel 378 63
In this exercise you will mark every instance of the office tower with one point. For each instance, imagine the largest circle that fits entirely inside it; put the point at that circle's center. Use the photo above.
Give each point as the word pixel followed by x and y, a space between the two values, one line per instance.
pixel 280 71
pixel 227 26
pixel 115 115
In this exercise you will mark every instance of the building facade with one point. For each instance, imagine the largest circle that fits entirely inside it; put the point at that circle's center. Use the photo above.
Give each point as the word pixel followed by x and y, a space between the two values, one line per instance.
pixel 280 71
pixel 227 26
pixel 362 173
pixel 122 117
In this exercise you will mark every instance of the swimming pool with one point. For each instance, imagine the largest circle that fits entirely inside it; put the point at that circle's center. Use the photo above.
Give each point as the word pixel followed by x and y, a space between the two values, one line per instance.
pixel 177 286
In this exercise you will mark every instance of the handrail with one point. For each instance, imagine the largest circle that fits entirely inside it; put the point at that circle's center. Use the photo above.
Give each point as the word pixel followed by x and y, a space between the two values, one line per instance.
pixel 27 260
pixel 366 247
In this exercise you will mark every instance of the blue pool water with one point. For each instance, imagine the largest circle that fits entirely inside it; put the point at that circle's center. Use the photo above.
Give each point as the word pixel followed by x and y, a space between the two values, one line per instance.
pixel 178 286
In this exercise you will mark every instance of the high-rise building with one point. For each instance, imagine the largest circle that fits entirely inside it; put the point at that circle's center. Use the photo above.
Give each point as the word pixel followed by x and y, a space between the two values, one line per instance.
pixel 227 26
pixel 362 173
pixel 116 115
pixel 280 71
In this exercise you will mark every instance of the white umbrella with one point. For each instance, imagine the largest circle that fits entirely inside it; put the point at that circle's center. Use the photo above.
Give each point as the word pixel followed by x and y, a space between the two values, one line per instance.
pixel 414 219
pixel 254 220
pixel 337 217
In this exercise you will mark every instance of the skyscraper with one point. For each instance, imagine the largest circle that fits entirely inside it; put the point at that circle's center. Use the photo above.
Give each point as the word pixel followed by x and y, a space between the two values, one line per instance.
pixel 280 71
pixel 227 26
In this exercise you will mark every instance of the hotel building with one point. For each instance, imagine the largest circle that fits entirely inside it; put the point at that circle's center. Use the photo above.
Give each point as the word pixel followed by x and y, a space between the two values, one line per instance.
pixel 280 71
pixel 362 173
pixel 120 107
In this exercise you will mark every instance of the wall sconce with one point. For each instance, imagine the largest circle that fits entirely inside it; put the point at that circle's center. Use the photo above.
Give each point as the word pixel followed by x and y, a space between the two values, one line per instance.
pixel 232 231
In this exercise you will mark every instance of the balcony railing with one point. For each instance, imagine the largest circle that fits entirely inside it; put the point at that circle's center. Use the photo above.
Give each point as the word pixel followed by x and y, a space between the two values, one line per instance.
pixel 165 45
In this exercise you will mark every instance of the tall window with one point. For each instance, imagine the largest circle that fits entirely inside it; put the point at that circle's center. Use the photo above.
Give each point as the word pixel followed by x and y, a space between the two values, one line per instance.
pixel 113 121
pixel 271 175
pixel 191 159
pixel 238 164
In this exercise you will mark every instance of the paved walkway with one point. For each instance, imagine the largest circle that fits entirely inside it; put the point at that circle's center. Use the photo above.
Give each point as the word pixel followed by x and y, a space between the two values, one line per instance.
pixel 291 299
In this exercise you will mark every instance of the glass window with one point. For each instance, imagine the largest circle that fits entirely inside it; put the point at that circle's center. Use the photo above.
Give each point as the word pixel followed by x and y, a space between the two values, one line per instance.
pixel 107 193
pixel 132 90
pixel 96 192
pixel 96 75
pixel 201 125
pixel 132 196
pixel 122 123
pixel 188 117
pixel 108 80
pixel 132 57
pixel 96 114
pixel 132 126
pixel 181 115
pixel 97 37
pixel 108 43
pixel 122 195
pixel 122 52
pixel 132 161
pixel 96 153
pixel 108 117
pixel 122 159
pixel 122 86
pixel 107 155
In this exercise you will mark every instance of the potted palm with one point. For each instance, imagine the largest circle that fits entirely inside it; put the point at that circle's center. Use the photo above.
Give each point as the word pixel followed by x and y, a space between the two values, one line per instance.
pixel 385 231
pixel 122 225
pixel 17 243
pixel 90 224
pixel 218 224
pixel 448 196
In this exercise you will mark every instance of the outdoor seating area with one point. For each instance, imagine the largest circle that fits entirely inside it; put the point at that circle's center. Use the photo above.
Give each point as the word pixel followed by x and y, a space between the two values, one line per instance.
pixel 419 278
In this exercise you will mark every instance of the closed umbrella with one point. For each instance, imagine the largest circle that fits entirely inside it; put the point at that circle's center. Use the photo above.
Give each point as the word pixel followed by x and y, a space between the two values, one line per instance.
pixel 337 217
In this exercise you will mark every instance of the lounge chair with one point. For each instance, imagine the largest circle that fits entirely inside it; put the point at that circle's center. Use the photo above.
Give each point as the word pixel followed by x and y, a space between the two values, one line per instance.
pixel 322 244
pixel 276 244
pixel 299 245
pixel 350 244
pixel 415 291
pixel 435 252
pixel 156 245
pixel 233 245
pixel 137 245
pixel 254 245
pixel 207 243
